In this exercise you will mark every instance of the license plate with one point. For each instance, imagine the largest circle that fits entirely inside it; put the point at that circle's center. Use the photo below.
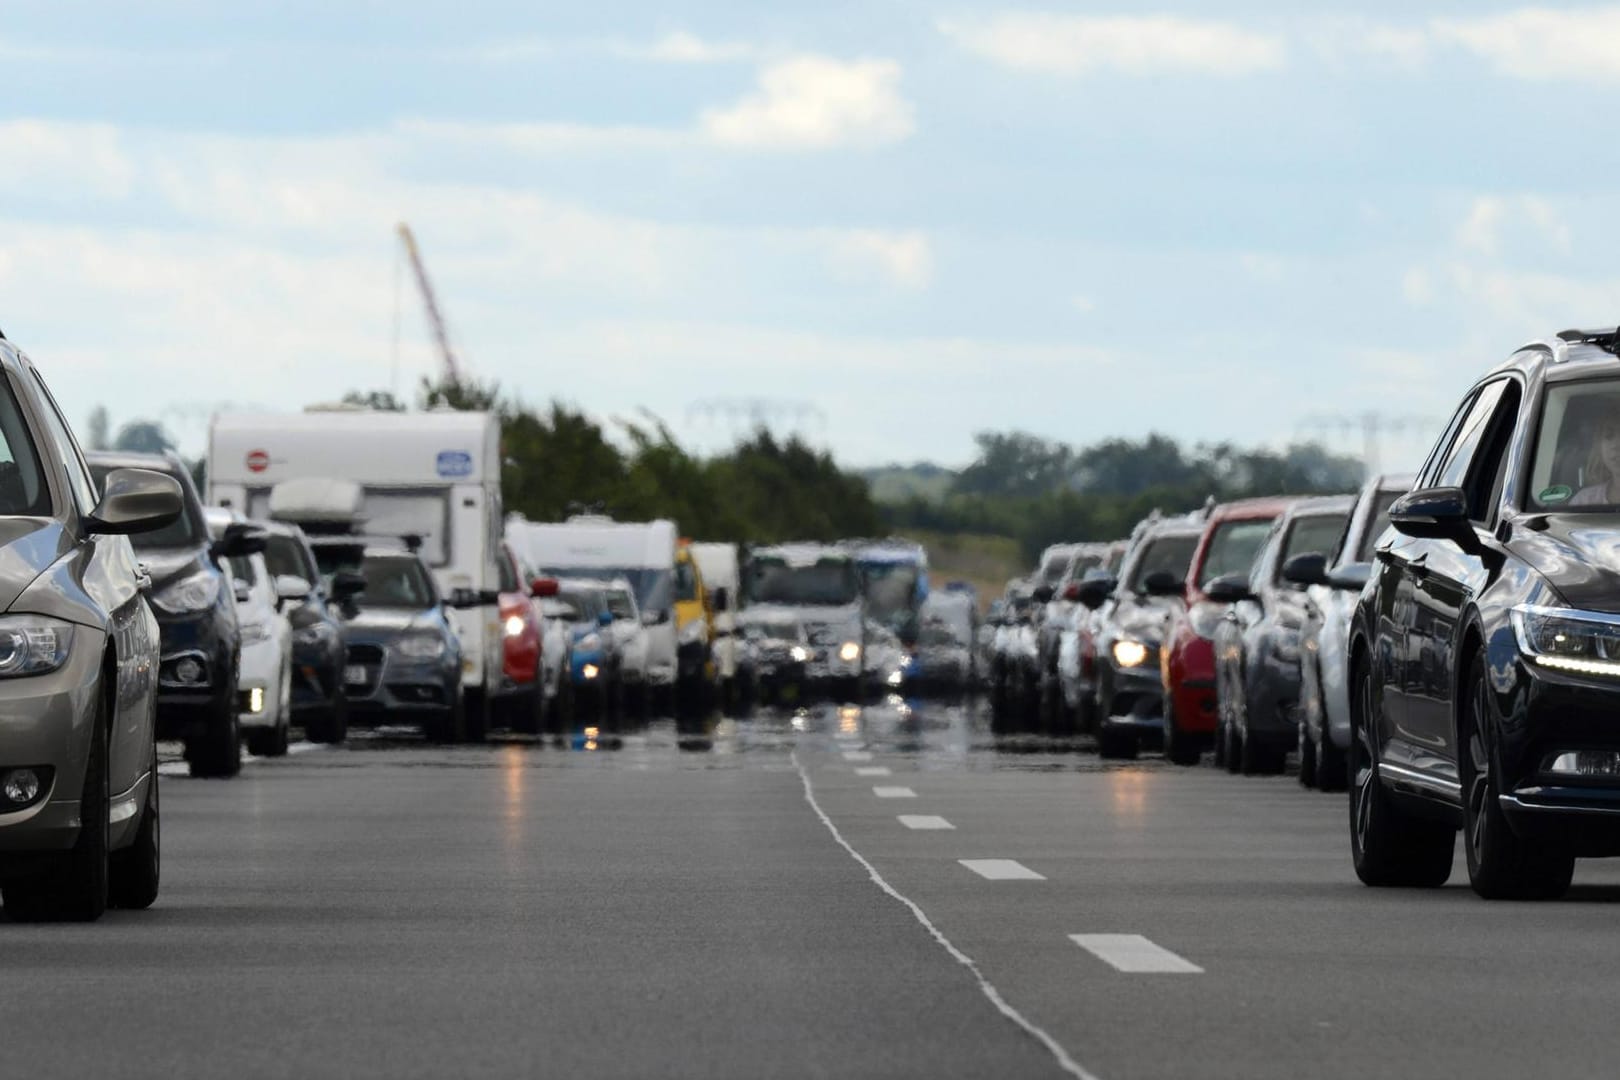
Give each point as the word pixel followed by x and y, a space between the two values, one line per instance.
pixel 355 675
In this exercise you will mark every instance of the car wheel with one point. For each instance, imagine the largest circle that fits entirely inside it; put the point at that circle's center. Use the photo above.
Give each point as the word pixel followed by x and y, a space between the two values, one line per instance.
pixel 450 726
pixel 1307 757
pixel 1116 744
pixel 1388 846
pixel 219 752
pixel 74 889
pixel 329 724
pixel 474 708
pixel 1180 748
pixel 1501 865
pixel 136 871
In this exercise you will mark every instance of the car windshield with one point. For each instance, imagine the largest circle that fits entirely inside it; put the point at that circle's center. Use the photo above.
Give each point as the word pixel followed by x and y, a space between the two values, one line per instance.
pixel 938 635
pixel 654 588
pixel 583 606
pixel 186 531
pixel 828 582
pixel 1170 554
pixel 620 603
pixel 1576 467
pixel 1053 569
pixel 285 555
pixel 395 581
pixel 1233 548
pixel 1380 521
pixel 1318 534
pixel 774 631
pixel 890 588
pixel 686 588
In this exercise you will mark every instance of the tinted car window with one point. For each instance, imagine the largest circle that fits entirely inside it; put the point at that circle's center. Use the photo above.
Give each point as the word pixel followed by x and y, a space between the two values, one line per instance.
pixel 1455 471
pixel 1318 534
pixel 1233 548
pixel 1577 454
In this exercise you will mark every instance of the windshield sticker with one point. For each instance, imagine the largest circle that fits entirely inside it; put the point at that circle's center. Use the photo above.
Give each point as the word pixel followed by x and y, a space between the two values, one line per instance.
pixel 1556 494
pixel 454 463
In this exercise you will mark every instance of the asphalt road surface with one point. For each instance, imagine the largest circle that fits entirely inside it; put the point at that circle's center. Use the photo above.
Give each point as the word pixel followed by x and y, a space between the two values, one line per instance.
pixel 840 894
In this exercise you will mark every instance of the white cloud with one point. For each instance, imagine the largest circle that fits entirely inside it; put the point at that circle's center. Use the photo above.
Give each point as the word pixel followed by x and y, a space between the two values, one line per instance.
pixel 903 258
pixel 1533 222
pixel 815 102
pixel 1541 44
pixel 1131 45
pixel 681 47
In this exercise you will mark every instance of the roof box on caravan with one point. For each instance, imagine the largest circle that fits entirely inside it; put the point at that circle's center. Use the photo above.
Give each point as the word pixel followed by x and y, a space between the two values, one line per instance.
pixel 318 499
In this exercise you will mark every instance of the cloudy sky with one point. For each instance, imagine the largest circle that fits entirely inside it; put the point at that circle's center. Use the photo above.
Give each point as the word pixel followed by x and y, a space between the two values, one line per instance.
pixel 906 220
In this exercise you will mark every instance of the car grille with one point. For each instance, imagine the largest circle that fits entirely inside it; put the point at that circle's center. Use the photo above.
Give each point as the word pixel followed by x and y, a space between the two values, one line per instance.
pixel 369 657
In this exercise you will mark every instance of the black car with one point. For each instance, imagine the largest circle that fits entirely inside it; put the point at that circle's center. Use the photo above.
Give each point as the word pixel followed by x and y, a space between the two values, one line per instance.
pixel 318 701
pixel 1485 652
pixel 196 611
pixel 1128 626
pixel 1257 644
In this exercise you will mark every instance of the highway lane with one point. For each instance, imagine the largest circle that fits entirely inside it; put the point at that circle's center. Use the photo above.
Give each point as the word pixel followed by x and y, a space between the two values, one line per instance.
pixel 394 909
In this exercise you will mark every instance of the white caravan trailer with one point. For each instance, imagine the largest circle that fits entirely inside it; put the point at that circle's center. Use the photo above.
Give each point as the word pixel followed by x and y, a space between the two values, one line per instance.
pixel 643 553
pixel 433 475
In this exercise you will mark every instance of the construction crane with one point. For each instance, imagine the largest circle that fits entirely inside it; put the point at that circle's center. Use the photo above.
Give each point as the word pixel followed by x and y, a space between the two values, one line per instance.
pixel 430 304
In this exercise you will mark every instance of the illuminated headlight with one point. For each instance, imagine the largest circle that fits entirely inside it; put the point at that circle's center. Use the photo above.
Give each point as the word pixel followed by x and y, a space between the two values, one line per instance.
pixel 1563 639
pixel 255 632
pixel 315 634
pixel 256 700
pixel 590 642
pixel 590 671
pixel 33 645
pixel 420 647
pixel 849 652
pixel 1205 618
pixel 515 626
pixel 1128 653
pixel 896 677
pixel 799 653
pixel 195 593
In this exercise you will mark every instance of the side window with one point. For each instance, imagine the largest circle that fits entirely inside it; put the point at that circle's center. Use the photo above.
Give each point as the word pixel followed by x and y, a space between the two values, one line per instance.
pixel 1485 480
pixel 1455 471
pixel 1431 464
pixel 67 451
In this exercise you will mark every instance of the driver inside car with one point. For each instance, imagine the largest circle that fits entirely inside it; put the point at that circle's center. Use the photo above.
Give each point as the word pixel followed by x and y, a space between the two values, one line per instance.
pixel 1602 473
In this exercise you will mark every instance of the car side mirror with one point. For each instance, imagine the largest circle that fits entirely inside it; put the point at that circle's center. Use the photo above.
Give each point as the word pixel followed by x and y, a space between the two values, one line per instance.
pixel 347 584
pixel 1043 594
pixel 136 501
pixel 1307 569
pixel 241 539
pixel 1094 592
pixel 1231 589
pixel 543 587
pixel 1351 578
pixel 1435 514
pixel 290 588
pixel 722 600
pixel 1163 583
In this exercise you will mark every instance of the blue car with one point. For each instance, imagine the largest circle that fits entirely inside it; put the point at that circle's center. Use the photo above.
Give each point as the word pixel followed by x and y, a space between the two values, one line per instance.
pixel 595 669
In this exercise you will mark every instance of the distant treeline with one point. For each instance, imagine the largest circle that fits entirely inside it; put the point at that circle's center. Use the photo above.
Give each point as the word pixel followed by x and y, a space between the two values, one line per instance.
pixel 1042 492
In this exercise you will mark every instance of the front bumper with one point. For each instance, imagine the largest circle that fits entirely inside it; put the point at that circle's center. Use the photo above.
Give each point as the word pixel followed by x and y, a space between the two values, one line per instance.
pixel 46 721
pixel 189 709
pixel 398 684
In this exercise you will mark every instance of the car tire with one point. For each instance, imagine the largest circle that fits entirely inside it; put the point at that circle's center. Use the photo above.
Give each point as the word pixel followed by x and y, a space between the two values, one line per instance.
pixel 1180 748
pixel 1501 864
pixel 1307 758
pixel 450 726
pixel 1115 744
pixel 1388 846
pixel 75 888
pixel 218 753
pixel 329 724
pixel 136 872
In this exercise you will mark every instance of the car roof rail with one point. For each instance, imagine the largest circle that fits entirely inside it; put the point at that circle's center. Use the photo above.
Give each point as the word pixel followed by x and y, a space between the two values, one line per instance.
pixel 1608 340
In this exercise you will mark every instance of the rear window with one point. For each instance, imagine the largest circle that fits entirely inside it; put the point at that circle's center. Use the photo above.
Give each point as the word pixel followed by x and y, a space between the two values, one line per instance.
pixel 1319 534
pixel 1234 547
pixel 1171 554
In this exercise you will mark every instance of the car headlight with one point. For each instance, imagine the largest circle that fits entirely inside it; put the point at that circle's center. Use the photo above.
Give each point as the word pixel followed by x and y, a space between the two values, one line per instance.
pixel 33 645
pixel 1582 642
pixel 255 632
pixel 420 647
pixel 514 626
pixel 589 643
pixel 195 593
pixel 315 634
pixel 1129 653
pixel 799 653
pixel 1205 618
pixel 849 652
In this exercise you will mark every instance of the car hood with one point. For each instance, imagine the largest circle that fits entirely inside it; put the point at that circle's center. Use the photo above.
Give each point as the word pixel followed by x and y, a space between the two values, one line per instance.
pixel 391 620
pixel 1578 555
pixel 28 547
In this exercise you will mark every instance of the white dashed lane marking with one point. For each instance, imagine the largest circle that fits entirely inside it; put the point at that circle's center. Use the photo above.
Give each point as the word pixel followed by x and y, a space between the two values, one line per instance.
pixel 1134 954
pixel 924 821
pixel 873 771
pixel 894 793
pixel 857 755
pixel 1001 870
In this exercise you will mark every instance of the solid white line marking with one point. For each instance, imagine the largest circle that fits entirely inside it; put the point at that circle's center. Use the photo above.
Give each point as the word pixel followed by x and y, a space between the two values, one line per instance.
pixel 303 746
pixel 873 771
pixel 1055 1048
pixel 1001 870
pixel 894 793
pixel 857 755
pixel 924 821
pixel 1134 954
pixel 174 768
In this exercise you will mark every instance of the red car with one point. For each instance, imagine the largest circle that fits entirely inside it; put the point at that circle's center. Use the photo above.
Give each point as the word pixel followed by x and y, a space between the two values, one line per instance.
pixel 520 634
pixel 1233 536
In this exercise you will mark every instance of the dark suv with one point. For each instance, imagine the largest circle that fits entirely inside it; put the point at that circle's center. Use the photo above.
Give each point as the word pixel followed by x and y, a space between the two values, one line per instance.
pixel 1485 653
pixel 196 610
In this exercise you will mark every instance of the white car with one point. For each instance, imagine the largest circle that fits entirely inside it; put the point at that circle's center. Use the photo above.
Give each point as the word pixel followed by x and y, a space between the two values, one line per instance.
pixel 630 634
pixel 264 687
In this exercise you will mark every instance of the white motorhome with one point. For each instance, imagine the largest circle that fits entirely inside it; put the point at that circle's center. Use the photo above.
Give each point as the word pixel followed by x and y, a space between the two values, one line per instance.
pixel 433 475
pixel 643 553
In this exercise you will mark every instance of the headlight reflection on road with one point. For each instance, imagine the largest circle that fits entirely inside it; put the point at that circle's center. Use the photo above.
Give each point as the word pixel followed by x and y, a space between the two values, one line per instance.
pixel 849 720
pixel 1128 791
pixel 591 736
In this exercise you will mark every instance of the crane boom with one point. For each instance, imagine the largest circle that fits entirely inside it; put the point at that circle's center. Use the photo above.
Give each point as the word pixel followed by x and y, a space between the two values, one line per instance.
pixel 435 318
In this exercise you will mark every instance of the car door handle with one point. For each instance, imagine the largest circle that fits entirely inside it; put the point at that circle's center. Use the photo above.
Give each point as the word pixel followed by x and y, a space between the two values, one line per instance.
pixel 1419 567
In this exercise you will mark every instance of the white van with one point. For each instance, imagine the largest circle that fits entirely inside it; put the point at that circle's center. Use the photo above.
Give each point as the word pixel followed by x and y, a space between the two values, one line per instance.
pixel 643 553
pixel 433 475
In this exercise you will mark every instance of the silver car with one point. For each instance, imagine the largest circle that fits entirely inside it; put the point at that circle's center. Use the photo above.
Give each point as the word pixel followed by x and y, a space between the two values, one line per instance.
pixel 78 667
